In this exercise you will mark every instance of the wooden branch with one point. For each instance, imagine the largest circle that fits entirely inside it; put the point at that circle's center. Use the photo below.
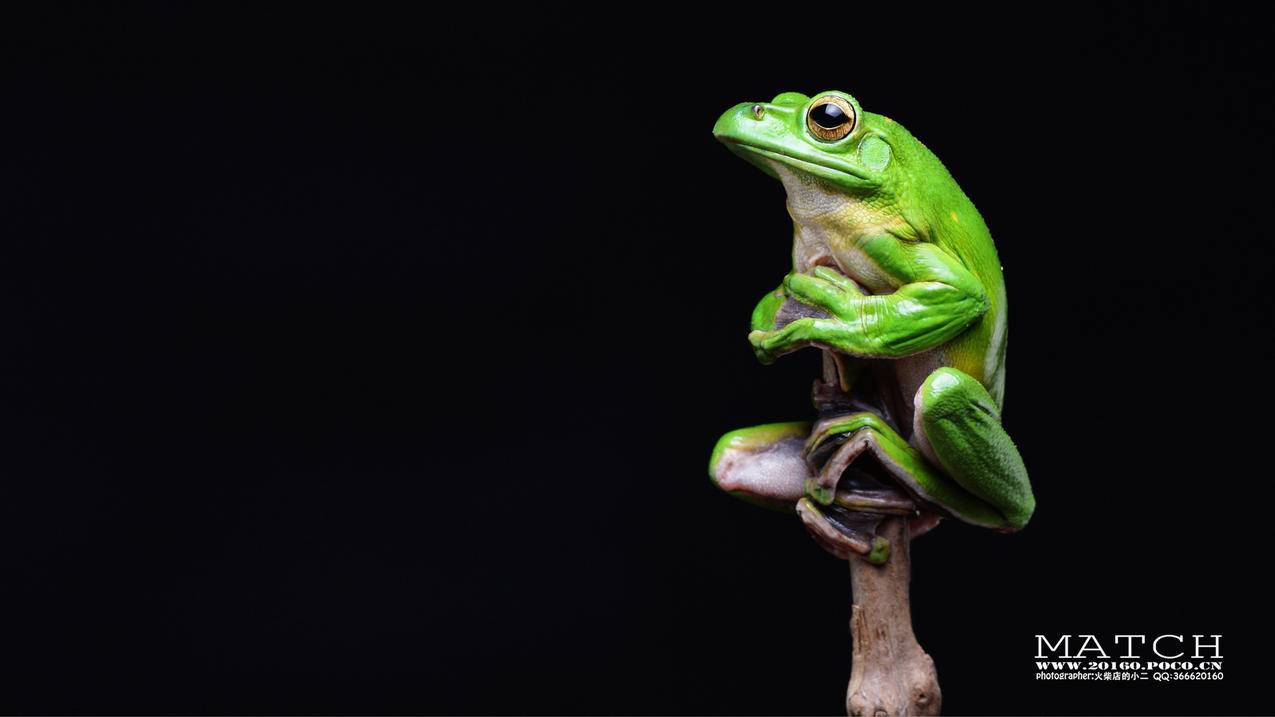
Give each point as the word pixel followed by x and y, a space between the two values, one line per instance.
pixel 890 673
pixel 868 521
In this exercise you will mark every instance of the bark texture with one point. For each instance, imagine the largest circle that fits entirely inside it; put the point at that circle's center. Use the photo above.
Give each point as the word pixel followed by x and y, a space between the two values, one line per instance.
pixel 890 673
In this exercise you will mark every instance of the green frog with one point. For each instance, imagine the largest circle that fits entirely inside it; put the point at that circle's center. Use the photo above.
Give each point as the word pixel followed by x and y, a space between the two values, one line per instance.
pixel 896 278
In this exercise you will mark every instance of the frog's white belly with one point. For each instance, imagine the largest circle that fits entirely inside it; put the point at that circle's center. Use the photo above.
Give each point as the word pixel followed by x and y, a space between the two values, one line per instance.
pixel 826 225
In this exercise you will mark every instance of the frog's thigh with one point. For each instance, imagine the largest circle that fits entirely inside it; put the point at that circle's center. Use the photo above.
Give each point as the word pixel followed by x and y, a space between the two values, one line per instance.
pixel 958 426
pixel 869 433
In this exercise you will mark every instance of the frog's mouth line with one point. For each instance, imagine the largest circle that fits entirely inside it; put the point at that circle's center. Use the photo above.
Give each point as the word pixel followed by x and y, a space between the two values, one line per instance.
pixel 825 169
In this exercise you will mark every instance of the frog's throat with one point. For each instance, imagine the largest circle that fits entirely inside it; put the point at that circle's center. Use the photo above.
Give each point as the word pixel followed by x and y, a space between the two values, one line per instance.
pixel 815 209
pixel 811 201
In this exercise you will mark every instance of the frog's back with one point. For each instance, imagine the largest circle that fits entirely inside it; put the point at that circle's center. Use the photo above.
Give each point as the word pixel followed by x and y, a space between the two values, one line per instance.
pixel 980 351
pixel 951 221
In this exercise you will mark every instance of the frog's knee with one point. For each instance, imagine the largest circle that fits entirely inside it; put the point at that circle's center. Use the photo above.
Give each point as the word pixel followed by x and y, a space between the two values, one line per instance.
pixel 1018 513
pixel 957 426
pixel 948 391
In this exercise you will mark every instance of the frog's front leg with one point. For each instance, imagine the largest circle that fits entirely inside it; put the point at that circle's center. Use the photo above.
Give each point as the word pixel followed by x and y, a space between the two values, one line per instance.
pixel 934 300
pixel 867 433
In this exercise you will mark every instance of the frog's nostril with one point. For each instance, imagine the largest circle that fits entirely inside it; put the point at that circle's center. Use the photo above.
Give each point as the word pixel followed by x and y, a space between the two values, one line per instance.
pixel 758 112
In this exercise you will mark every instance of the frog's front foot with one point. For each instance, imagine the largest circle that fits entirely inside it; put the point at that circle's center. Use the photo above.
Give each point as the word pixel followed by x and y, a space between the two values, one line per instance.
pixel 809 309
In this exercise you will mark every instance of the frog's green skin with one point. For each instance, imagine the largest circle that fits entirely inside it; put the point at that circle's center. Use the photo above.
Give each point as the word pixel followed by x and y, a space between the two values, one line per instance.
pixel 902 268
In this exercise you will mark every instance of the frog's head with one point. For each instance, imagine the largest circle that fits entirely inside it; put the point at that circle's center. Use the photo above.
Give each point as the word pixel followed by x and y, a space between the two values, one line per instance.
pixel 826 137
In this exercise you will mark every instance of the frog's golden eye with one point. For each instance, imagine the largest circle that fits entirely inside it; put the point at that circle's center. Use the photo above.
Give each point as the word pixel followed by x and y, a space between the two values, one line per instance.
pixel 830 118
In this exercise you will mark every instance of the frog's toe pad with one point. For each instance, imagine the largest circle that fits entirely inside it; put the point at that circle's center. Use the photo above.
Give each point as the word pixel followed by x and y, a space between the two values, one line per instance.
pixel 823 495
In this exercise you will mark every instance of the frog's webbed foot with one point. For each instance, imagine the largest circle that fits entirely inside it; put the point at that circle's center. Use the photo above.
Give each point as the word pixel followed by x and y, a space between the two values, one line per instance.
pixel 849 524
pixel 859 491
pixel 861 452
pixel 766 465
pixel 808 309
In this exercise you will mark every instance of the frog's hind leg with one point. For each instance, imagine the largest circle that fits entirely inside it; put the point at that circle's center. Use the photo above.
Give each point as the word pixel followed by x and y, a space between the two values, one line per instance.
pixel 867 433
pixel 957 425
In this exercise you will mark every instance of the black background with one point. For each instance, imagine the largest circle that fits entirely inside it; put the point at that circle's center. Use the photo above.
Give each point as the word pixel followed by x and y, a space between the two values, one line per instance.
pixel 371 363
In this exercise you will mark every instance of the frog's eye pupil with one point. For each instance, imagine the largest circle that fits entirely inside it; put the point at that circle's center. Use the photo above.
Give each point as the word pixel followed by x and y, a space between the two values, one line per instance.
pixel 828 116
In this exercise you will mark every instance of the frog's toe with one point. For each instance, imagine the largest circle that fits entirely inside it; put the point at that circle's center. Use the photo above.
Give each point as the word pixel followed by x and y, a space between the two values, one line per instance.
pixel 821 494
pixel 844 532
pixel 817 291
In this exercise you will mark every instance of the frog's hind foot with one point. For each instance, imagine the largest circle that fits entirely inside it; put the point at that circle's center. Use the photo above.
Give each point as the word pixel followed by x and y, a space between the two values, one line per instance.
pixel 844 532
pixel 849 524
pixel 862 496
pixel 834 450
pixel 859 451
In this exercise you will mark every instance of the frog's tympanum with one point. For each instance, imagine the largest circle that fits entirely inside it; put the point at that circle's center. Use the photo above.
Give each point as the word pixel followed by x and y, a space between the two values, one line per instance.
pixel 896 278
